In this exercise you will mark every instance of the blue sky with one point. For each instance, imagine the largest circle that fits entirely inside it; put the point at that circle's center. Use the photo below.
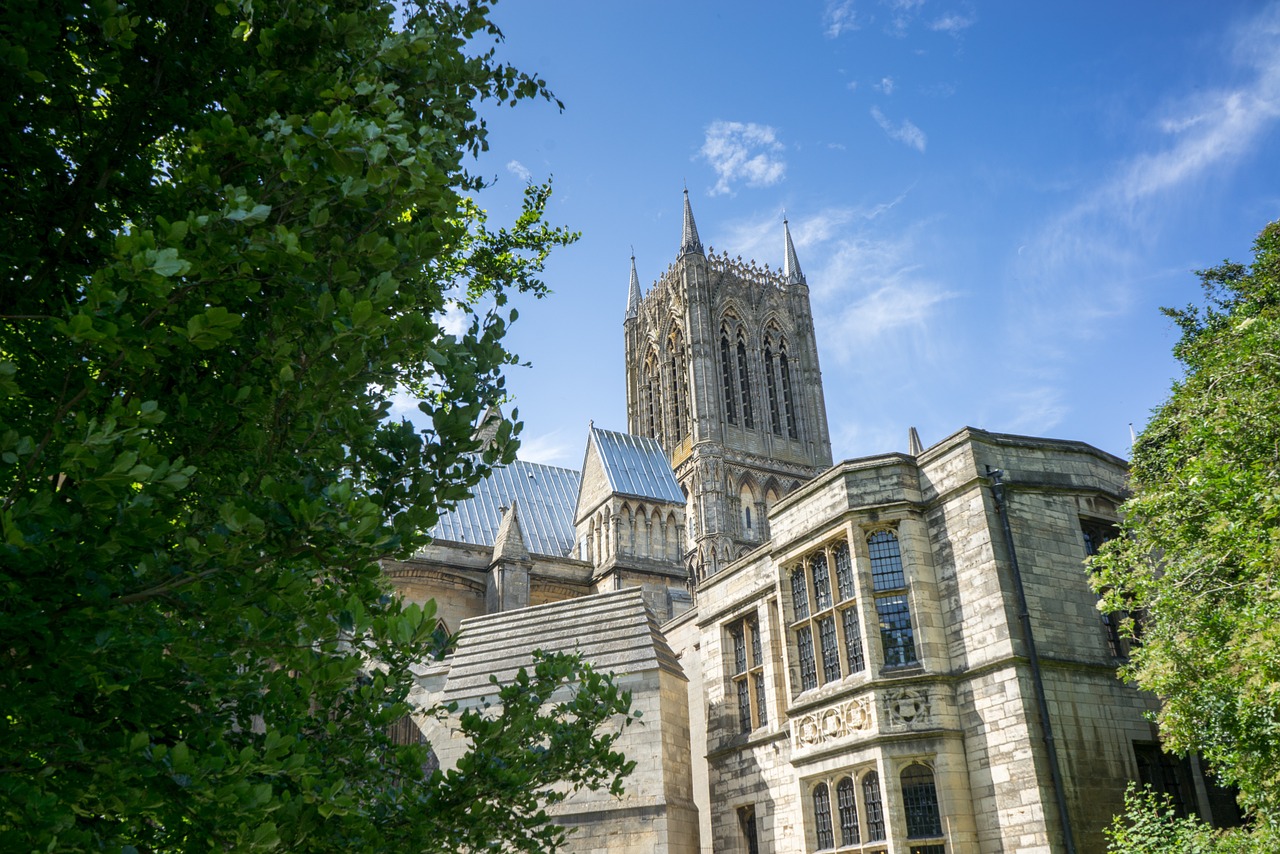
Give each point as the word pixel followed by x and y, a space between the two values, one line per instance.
pixel 991 201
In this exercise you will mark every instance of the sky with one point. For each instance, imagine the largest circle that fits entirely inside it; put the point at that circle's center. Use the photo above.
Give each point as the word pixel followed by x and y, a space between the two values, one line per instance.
pixel 991 202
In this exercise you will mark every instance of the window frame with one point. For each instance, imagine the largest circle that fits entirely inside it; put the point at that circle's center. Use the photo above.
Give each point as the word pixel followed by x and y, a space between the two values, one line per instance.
pixel 860 836
pixel 821 610
pixel 895 593
pixel 745 661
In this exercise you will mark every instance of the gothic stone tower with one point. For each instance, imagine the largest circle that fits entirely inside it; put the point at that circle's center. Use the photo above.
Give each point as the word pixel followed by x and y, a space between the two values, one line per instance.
pixel 722 370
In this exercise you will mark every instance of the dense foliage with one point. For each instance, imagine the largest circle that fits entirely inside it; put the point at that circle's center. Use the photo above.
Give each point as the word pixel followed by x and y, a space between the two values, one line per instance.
pixel 230 233
pixel 1150 825
pixel 1201 554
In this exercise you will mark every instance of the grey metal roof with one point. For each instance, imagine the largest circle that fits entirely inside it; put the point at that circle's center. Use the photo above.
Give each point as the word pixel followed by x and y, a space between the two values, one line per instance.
pixel 636 465
pixel 546 498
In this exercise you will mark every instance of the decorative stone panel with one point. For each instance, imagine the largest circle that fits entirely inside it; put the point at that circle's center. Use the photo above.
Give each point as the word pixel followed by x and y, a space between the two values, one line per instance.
pixel 847 720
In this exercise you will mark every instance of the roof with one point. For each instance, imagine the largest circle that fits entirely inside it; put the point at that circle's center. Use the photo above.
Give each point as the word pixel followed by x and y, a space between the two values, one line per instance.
pixel 612 631
pixel 546 495
pixel 636 465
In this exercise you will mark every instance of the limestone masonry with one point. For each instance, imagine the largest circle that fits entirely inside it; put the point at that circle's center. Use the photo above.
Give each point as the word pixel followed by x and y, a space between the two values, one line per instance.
pixel 828 657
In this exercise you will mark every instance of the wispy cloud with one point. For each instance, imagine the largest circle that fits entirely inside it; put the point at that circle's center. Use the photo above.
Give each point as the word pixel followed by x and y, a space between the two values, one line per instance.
pixel 515 167
pixel 552 449
pixel 1096 241
pixel 953 23
pixel 885 85
pixel 741 151
pixel 1085 268
pixel 904 132
pixel 838 17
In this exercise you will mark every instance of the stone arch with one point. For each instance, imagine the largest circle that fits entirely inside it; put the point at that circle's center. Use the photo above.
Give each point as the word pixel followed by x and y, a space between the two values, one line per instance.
pixel 673 536
pixel 749 498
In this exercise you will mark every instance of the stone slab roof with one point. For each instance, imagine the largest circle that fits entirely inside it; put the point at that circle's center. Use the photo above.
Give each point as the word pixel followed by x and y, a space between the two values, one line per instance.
pixel 546 496
pixel 612 631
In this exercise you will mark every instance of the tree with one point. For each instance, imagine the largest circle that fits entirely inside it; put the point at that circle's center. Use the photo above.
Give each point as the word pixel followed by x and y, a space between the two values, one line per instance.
pixel 230 234
pixel 1151 825
pixel 1200 557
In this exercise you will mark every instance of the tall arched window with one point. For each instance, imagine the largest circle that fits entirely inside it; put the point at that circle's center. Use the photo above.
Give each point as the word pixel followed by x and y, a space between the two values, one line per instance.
pixel 726 377
pixel 920 800
pixel 771 391
pixel 788 402
pixel 747 499
pixel 744 384
pixel 822 816
pixel 874 806
pixel 679 401
pixel 847 805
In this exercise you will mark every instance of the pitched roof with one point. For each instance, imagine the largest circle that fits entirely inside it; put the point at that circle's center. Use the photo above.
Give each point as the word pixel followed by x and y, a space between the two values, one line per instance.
pixel 636 465
pixel 546 495
pixel 611 631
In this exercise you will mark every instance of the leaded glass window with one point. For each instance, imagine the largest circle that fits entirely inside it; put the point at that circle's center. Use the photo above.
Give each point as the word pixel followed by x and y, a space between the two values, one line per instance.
pixel 800 593
pixel 844 570
pixel 920 800
pixel 874 807
pixel 886 561
pixel 744 385
pixel 893 611
pixel 853 640
pixel 822 816
pixel 847 805
pixel 747 675
pixel 830 650
pixel 836 627
pixel 808 669
pixel 821 583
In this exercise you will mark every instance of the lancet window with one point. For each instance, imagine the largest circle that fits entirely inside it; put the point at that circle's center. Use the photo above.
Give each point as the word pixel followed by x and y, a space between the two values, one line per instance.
pixel 788 401
pixel 771 390
pixel 744 384
pixel 856 820
pixel 726 377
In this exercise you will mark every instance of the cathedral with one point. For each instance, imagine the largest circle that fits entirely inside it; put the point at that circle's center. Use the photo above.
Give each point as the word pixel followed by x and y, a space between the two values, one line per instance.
pixel 894 654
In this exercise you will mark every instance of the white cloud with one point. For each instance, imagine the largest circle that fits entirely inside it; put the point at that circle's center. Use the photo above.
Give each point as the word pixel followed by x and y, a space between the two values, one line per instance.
pixel 839 17
pixel 1033 411
pixel 515 167
pixel 852 86
pixel 551 449
pixel 1087 261
pixel 952 23
pixel 741 151
pixel 885 85
pixel 905 132
pixel 454 320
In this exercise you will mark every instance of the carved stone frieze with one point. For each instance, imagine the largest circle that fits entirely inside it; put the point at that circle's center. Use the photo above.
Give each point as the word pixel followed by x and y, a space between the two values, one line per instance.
pixel 833 723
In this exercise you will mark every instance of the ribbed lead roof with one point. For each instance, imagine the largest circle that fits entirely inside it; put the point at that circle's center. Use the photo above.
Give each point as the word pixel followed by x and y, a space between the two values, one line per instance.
pixel 546 497
pixel 636 465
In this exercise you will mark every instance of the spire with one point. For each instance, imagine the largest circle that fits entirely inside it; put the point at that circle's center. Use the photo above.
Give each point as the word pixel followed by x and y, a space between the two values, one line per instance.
pixel 509 542
pixel 915 449
pixel 689 241
pixel 633 295
pixel 791 273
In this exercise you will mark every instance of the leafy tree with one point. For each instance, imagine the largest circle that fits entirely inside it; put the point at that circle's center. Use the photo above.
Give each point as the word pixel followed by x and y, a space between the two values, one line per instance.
pixel 1150 825
pixel 231 231
pixel 1201 558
